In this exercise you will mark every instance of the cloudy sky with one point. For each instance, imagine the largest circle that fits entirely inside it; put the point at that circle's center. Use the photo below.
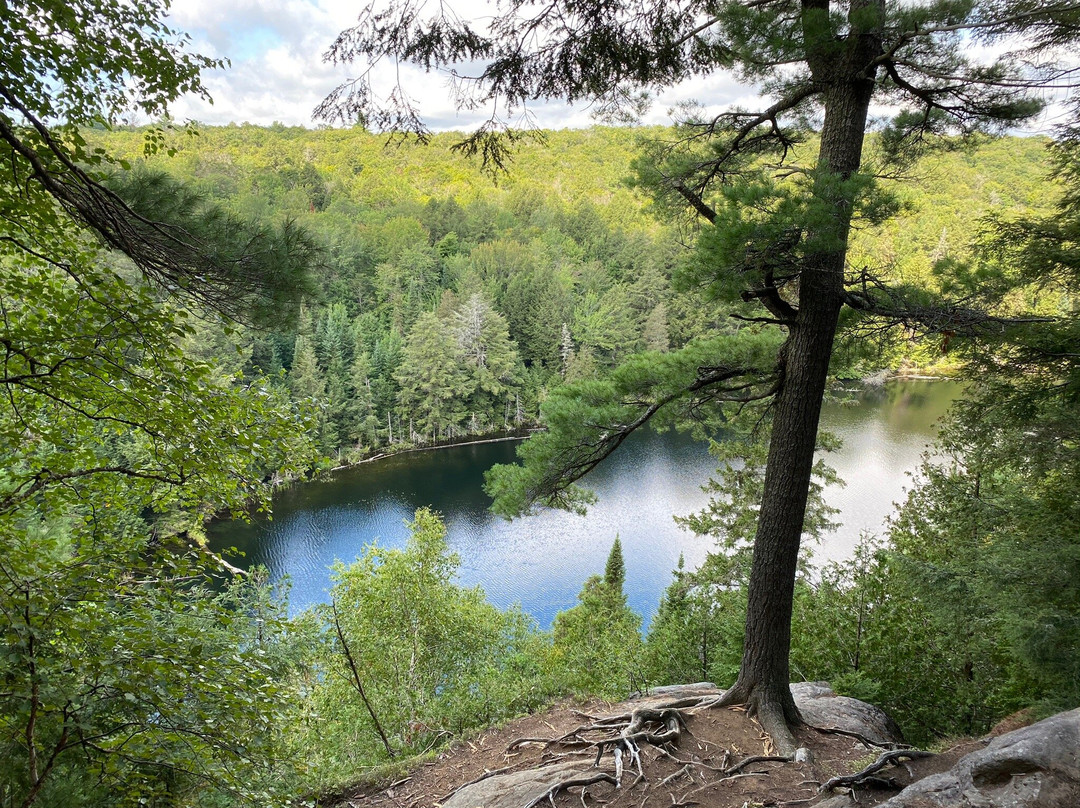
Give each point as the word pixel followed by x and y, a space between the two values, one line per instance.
pixel 278 74
pixel 277 71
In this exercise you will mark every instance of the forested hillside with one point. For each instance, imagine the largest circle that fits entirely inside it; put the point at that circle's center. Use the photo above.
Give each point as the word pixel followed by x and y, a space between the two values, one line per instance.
pixel 450 301
pixel 189 319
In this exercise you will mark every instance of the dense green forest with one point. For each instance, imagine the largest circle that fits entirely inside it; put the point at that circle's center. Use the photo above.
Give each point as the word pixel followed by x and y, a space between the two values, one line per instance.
pixel 449 302
pixel 551 276
pixel 190 319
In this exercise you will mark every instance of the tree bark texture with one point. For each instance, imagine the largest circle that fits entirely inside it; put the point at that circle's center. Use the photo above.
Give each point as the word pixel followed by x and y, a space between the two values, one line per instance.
pixel 846 80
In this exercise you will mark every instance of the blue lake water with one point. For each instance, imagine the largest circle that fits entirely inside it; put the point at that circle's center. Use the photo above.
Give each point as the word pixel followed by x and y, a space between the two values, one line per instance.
pixel 541 561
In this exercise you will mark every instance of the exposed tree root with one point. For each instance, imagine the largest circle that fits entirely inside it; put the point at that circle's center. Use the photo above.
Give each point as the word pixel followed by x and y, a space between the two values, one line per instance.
pixel 776 716
pixel 698 763
pixel 867 742
pixel 758 759
pixel 867 774
pixel 624 736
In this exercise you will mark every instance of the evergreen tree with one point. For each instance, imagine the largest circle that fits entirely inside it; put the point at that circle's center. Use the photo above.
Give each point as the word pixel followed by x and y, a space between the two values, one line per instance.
pixel 596 645
pixel 432 380
pixel 305 377
pixel 615 568
pixel 488 355
pixel 334 347
pixel 363 420
pixel 697 630
pixel 776 227
pixel 535 305
pixel 386 357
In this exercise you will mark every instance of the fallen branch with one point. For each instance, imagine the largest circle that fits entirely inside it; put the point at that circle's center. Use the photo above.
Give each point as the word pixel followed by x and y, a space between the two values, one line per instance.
pixel 676 775
pixel 884 759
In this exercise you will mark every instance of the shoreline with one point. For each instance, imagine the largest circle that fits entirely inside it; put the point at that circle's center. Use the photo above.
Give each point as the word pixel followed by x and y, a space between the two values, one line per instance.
pixel 873 380
pixel 452 444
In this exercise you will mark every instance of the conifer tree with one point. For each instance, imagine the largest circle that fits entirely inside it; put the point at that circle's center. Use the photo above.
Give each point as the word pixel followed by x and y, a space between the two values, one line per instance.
pixel 615 569
pixel 432 379
pixel 775 225
pixel 488 355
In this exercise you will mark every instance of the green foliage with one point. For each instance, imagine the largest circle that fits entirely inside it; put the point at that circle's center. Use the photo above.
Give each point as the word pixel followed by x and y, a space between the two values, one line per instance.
pixel 596 645
pixel 127 682
pixel 736 493
pixel 432 659
pixel 70 62
pixel 697 632
pixel 587 420
pixel 433 383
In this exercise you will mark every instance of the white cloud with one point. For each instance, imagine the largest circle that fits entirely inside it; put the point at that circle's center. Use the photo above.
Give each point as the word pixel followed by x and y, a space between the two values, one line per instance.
pixel 277 72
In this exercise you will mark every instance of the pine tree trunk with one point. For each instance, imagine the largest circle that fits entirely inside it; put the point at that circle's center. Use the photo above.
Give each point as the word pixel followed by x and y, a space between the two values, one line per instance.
pixel 764 675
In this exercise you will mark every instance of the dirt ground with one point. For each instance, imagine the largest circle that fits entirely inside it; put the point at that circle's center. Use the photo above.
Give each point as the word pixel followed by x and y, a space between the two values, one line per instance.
pixel 686 773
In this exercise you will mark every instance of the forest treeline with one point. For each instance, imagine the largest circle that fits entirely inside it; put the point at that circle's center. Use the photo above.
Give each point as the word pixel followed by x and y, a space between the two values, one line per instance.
pixel 448 302
pixel 188 319
pixel 442 304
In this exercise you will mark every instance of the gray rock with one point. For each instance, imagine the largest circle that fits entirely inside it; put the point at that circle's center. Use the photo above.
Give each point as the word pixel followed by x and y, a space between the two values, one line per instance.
pixel 837 801
pixel 682 690
pixel 821 707
pixel 516 788
pixel 1032 767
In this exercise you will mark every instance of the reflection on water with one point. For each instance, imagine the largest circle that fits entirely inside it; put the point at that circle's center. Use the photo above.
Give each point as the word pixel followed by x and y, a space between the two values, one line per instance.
pixel 541 561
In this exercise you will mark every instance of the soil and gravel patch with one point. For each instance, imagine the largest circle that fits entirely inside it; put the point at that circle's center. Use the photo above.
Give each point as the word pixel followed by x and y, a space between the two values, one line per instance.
pixel 717 760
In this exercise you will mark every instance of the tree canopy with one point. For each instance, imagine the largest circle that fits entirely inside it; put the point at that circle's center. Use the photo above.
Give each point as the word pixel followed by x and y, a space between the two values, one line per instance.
pixel 115 440
pixel 776 225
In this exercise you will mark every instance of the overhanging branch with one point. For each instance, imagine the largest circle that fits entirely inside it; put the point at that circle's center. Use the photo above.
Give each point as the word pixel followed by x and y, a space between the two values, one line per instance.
pixel 737 385
pixel 952 318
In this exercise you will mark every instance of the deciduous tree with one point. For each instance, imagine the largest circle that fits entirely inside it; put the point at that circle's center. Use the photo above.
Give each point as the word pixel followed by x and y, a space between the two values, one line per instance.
pixel 106 424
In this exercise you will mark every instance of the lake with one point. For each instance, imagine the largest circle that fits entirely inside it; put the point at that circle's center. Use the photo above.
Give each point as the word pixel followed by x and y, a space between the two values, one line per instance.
pixel 541 561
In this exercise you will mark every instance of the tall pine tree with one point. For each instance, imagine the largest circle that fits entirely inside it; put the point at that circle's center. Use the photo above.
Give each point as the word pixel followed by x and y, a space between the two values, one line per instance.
pixel 776 225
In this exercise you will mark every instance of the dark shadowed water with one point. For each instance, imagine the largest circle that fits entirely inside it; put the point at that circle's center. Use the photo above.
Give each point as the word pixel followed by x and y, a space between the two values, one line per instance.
pixel 541 561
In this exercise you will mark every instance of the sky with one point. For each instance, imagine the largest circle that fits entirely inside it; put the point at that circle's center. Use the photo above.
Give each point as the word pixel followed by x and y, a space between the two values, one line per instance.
pixel 277 72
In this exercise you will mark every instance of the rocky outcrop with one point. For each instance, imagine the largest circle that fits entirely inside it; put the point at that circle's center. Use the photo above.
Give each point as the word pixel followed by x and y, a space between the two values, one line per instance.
pixel 817 702
pixel 515 789
pixel 821 707
pixel 1033 767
